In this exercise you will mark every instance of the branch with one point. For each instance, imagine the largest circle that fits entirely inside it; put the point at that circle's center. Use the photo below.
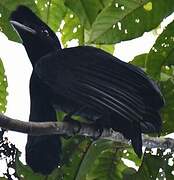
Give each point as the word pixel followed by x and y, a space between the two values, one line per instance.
pixel 48 128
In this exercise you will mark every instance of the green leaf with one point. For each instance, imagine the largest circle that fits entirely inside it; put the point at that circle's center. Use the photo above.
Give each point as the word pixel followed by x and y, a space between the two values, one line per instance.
pixel 162 53
pixel 139 60
pixel 96 148
pixel 3 88
pixel 105 2
pixel 167 88
pixel 129 154
pixel 74 150
pixel 72 29
pixel 86 10
pixel 107 47
pixel 167 72
pixel 128 19
pixel 149 162
pixel 127 173
pixel 151 165
pixel 80 163
pixel 52 12
pixel 109 165
pixel 60 115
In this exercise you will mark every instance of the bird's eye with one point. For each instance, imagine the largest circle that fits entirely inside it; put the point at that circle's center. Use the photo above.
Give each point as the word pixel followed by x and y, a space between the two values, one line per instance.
pixel 45 32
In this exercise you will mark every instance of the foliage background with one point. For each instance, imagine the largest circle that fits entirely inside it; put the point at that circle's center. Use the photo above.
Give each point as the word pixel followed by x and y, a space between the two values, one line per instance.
pixel 103 23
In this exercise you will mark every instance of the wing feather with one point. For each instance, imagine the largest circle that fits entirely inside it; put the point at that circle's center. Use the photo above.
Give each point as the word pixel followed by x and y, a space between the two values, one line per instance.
pixel 103 83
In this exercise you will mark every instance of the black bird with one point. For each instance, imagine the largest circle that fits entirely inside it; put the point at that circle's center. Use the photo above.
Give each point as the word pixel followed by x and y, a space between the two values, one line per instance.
pixel 42 152
pixel 85 81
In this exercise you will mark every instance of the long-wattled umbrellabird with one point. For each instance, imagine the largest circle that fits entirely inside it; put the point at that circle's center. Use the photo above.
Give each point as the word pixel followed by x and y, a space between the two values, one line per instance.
pixel 42 152
pixel 83 81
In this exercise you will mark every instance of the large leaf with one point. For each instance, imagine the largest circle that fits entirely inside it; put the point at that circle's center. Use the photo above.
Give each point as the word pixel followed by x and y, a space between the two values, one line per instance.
pixel 129 154
pixel 96 148
pixel 3 88
pixel 77 21
pixel 52 12
pixel 128 19
pixel 162 53
pixel 72 29
pixel 105 2
pixel 86 10
pixel 109 165
pixel 73 154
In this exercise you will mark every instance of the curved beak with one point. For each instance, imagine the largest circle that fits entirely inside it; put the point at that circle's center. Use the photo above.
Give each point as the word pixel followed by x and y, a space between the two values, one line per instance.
pixel 19 26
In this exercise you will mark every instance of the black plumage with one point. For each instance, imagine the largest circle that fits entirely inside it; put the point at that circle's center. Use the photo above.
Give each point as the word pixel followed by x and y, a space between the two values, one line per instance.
pixel 89 82
pixel 42 152
pixel 114 94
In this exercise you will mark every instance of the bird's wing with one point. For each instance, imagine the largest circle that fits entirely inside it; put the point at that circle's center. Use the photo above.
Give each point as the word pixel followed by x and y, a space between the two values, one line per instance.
pixel 102 82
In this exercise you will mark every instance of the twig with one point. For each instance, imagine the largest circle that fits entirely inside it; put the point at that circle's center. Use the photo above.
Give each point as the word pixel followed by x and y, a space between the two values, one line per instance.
pixel 48 128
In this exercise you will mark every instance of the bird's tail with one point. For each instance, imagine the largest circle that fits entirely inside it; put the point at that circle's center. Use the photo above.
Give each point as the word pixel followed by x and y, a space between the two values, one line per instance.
pixel 43 153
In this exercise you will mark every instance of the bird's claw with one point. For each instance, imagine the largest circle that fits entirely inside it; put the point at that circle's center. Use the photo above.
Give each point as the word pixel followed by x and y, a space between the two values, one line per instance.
pixel 77 125
pixel 99 131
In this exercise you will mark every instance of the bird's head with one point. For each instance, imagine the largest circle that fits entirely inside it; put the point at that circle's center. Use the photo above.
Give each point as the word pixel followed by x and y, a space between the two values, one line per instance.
pixel 36 36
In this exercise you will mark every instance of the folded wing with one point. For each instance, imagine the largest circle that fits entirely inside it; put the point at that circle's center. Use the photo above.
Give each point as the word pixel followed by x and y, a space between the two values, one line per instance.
pixel 98 80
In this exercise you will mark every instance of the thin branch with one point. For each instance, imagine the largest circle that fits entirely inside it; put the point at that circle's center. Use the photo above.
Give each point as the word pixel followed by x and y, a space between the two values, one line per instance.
pixel 48 128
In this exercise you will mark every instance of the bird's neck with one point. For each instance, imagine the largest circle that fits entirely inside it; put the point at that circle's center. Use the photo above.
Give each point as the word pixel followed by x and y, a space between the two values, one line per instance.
pixel 36 48
pixel 35 51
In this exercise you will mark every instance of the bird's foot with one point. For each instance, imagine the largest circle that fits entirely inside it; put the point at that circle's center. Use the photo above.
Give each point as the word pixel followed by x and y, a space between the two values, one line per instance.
pixel 77 124
pixel 99 130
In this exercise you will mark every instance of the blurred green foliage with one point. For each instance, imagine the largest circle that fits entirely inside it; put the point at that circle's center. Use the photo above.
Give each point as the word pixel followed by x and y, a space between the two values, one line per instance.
pixel 103 23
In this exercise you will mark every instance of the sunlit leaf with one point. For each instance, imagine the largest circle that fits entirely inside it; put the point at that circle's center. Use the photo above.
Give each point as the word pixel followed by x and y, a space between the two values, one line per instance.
pixel 139 60
pixel 86 10
pixel 3 88
pixel 52 12
pixel 72 30
pixel 161 53
pixel 105 2
pixel 128 19
pixel 96 148
pixel 108 166
pixel 107 47
pixel 129 154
